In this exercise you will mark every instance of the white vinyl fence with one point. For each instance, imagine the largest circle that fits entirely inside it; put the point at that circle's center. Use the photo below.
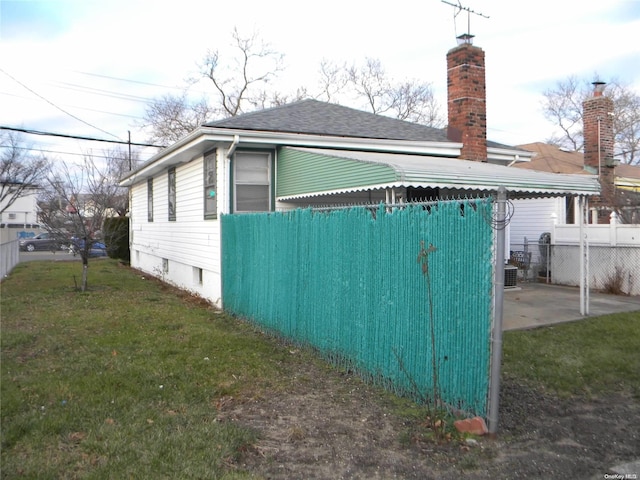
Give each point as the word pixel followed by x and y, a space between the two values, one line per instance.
pixel 9 257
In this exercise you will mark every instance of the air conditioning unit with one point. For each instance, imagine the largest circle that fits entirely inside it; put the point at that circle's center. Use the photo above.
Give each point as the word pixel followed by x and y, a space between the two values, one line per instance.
pixel 510 276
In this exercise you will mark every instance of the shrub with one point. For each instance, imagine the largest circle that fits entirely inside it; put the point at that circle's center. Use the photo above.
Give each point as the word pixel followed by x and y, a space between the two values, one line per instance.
pixel 116 237
pixel 614 282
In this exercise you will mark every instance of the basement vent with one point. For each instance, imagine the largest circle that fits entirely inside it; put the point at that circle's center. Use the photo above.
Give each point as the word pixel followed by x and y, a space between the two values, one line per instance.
pixel 510 276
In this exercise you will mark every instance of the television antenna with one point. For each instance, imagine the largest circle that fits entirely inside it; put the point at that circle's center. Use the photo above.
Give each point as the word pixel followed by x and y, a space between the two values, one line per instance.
pixel 459 9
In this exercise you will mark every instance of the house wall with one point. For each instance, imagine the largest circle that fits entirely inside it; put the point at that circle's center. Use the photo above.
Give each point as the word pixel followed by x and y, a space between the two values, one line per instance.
pixel 184 252
pixel 533 217
pixel 20 218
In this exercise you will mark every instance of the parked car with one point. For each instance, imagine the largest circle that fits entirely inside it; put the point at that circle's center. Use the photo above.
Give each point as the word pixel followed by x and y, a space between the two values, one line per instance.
pixel 98 249
pixel 42 241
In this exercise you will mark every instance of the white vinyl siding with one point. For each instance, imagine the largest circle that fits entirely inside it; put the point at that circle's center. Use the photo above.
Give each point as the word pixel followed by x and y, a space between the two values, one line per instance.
pixel 533 217
pixel 187 243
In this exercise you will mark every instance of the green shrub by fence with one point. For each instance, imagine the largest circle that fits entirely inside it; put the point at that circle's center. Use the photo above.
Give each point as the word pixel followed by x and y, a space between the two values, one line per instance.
pixel 349 283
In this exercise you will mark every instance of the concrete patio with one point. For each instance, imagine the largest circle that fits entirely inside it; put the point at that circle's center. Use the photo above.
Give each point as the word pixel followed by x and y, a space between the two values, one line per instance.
pixel 532 305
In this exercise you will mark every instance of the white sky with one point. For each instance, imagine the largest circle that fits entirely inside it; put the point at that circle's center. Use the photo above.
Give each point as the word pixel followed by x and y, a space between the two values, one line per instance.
pixel 102 60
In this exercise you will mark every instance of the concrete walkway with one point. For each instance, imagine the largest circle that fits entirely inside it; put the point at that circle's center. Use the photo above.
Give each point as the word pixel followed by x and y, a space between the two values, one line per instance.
pixel 534 305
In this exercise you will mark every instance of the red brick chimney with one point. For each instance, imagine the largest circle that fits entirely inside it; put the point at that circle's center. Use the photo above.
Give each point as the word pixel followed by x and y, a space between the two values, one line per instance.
pixel 466 105
pixel 597 117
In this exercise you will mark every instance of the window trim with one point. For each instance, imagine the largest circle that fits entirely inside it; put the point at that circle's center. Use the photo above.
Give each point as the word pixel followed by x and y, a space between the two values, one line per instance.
pixel 171 194
pixel 270 174
pixel 150 199
pixel 210 215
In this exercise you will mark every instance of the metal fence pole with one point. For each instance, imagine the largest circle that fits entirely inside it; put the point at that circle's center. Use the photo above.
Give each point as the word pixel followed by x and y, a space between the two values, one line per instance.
pixel 498 295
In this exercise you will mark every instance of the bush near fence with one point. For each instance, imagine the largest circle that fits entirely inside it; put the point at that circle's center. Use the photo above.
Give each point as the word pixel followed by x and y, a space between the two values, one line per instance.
pixel 348 283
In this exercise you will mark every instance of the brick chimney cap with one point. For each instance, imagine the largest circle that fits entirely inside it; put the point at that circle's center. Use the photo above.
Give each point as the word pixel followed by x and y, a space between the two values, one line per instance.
pixel 598 88
pixel 465 39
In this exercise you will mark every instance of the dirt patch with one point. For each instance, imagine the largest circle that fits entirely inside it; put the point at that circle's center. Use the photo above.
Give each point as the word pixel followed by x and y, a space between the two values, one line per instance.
pixel 329 425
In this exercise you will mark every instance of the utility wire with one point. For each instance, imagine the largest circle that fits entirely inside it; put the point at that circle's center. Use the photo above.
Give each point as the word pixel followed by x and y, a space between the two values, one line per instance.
pixel 125 80
pixel 92 155
pixel 80 108
pixel 77 137
pixel 56 106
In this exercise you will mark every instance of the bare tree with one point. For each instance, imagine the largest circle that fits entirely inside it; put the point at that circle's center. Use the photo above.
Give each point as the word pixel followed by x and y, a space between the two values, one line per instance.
pixel 239 83
pixel 241 80
pixel 242 83
pixel 562 105
pixel 370 81
pixel 266 99
pixel 408 100
pixel 76 202
pixel 19 170
pixel 333 79
pixel 171 117
pixel 414 101
pixel 626 124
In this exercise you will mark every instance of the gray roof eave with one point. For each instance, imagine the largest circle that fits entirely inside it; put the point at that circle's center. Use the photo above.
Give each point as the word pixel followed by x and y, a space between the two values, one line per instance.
pixel 205 138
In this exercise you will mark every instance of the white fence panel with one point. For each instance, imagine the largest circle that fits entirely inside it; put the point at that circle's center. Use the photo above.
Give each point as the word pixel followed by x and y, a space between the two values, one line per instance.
pixel 9 257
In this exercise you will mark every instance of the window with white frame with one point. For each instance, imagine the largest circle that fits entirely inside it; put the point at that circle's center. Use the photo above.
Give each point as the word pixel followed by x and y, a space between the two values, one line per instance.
pixel 252 182
pixel 210 187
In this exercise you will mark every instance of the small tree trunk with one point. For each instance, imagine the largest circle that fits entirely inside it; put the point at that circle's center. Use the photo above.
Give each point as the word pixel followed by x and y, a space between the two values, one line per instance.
pixel 85 274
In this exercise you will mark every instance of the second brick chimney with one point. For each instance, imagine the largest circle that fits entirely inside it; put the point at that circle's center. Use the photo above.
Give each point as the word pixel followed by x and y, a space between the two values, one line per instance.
pixel 597 117
pixel 466 99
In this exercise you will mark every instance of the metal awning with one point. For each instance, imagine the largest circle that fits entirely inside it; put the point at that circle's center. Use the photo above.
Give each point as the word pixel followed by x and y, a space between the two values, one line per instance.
pixel 404 170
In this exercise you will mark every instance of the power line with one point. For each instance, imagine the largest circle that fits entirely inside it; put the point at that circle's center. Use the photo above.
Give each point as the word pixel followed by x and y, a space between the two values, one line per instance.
pixel 59 152
pixel 125 80
pixel 77 137
pixel 79 108
pixel 102 92
pixel 56 106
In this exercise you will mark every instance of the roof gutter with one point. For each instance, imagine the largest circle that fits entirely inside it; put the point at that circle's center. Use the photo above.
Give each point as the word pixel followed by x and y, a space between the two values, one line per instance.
pixel 201 139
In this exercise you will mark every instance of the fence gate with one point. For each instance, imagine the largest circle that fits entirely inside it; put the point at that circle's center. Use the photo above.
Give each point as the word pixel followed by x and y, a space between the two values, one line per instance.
pixel 401 295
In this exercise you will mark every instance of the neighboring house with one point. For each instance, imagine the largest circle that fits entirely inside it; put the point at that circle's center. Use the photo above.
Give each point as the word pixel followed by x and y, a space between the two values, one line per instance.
pixel 21 218
pixel 312 153
pixel 532 218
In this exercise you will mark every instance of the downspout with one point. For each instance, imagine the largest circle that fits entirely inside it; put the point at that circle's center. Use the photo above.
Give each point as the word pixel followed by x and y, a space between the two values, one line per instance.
pixel 227 178
pixel 230 151
pixel 516 159
pixel 498 302
pixel 233 146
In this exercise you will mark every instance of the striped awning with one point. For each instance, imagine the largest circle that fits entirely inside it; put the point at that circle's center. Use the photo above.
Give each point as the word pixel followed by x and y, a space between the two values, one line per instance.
pixel 355 171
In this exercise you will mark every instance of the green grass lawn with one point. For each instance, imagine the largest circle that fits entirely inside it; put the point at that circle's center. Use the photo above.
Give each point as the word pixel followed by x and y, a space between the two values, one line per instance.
pixel 122 381
pixel 590 357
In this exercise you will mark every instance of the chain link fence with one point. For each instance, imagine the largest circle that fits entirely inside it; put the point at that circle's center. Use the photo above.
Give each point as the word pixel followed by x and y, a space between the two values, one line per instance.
pixel 611 269
pixel 531 260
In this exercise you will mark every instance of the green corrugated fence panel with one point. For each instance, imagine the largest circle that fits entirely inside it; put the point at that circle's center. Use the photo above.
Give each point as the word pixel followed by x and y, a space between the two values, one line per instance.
pixel 348 283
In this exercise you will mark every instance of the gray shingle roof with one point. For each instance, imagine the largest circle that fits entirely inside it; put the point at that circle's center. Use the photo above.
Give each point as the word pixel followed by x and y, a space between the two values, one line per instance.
pixel 321 118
